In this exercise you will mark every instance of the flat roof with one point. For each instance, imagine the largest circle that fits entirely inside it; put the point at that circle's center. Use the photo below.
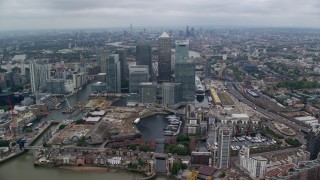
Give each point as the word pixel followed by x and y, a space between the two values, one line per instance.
pixel 239 116
pixel 93 119
pixel 98 113
pixel 306 118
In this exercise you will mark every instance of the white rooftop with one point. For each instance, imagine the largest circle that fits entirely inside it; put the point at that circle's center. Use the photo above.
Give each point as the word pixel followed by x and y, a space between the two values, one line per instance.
pixel 98 113
pixel 305 118
pixel 19 57
pixel 164 35
pixel 239 116
pixel 93 119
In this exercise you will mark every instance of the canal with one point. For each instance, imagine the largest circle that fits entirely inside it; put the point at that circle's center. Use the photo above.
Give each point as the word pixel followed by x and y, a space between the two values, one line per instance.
pixel 21 168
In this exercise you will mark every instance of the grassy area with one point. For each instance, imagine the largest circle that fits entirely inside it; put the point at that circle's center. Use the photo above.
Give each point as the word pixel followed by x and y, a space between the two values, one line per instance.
pixel 293 142
pixel 272 133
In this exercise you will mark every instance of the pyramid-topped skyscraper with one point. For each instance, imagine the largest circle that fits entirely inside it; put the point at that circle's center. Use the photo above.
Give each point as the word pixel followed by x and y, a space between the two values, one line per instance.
pixel 164 58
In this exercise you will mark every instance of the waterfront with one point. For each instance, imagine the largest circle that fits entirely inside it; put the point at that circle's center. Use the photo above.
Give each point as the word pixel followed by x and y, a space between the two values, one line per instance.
pixel 152 127
pixel 22 167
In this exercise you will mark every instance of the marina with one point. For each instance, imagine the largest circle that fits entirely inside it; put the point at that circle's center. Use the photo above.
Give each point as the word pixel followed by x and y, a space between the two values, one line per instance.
pixel 174 126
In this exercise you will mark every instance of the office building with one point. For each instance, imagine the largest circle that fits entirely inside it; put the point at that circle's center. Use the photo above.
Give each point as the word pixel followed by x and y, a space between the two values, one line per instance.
pixel 313 141
pixel 185 74
pixel 171 93
pixel 101 77
pixel 103 62
pixel 55 86
pixel 99 87
pixel 182 50
pixel 164 58
pixel 148 92
pixel 224 147
pixel 113 73
pixel 39 74
pixel 137 75
pixel 123 62
pixel 144 56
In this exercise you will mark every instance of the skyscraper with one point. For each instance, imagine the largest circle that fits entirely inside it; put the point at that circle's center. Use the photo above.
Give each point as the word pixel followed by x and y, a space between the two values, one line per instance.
pixel 164 58
pixel 39 74
pixel 113 74
pixel 313 141
pixel 83 67
pixel 123 62
pixel 144 56
pixel 148 92
pixel 224 147
pixel 103 62
pixel 184 74
pixel 182 50
pixel 171 93
pixel 137 75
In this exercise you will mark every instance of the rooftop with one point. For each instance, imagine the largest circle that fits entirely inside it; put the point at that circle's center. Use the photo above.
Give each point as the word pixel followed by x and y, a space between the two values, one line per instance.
pixel 164 35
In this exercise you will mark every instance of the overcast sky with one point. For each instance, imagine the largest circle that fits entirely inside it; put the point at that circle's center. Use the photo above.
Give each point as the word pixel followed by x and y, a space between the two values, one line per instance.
pixel 44 14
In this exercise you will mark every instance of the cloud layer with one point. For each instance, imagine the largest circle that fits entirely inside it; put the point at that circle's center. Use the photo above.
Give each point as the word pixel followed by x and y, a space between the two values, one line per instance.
pixel 27 14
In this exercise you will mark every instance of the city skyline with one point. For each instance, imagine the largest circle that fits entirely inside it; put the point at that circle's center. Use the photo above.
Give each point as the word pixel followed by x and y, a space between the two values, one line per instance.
pixel 39 14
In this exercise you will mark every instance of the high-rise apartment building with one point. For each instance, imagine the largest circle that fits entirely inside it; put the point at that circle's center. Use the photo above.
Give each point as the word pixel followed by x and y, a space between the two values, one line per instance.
pixel 185 74
pixel 113 74
pixel 39 74
pixel 171 93
pixel 313 141
pixel 137 75
pixel 182 50
pixel 224 147
pixel 144 56
pixel 164 58
pixel 255 165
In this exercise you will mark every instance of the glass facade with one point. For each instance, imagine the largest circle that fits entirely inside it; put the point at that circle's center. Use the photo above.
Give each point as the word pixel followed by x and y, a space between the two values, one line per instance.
pixel 185 74
pixel 113 74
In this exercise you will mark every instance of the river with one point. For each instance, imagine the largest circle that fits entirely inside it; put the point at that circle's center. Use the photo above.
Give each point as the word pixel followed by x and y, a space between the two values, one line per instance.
pixel 21 168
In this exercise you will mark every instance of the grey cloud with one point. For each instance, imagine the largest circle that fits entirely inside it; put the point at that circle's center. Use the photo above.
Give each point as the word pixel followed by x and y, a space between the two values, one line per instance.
pixel 62 13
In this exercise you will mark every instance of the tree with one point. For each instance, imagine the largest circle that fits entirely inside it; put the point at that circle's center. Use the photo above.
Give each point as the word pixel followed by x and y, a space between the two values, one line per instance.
pixel 81 141
pixel 4 143
pixel 62 126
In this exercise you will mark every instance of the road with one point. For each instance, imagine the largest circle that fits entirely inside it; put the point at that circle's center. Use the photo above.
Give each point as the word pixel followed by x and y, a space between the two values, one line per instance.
pixel 267 113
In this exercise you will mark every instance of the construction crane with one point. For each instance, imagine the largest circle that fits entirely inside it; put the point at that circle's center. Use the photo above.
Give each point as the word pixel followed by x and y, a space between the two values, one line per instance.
pixel 12 116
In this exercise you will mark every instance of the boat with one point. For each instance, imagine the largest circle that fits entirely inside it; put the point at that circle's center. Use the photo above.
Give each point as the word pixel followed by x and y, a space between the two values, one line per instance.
pixel 136 121
pixel 168 133
pixel 68 110
pixel 175 122
pixel 172 117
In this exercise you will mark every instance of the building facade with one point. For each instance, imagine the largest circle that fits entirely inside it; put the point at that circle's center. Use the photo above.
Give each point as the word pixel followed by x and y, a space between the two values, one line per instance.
pixel 171 93
pixel 55 86
pixel 137 75
pixel 185 74
pixel 39 74
pixel 182 50
pixel 113 84
pixel 144 56
pixel 224 147
pixel 164 58
pixel 313 142
pixel 123 62
pixel 148 92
